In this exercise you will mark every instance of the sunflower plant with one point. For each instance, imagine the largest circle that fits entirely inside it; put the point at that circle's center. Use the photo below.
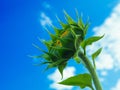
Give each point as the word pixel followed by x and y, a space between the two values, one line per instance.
pixel 70 42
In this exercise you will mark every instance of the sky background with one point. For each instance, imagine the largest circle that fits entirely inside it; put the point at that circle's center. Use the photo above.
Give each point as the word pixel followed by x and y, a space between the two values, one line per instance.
pixel 22 22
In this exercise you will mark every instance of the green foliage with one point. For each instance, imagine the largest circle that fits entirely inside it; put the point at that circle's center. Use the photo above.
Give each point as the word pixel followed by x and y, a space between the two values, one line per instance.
pixel 95 55
pixel 82 80
pixel 69 42
pixel 89 41
pixel 64 43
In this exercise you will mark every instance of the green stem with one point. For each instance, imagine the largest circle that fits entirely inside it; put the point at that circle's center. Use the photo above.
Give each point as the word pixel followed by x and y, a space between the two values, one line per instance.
pixel 92 71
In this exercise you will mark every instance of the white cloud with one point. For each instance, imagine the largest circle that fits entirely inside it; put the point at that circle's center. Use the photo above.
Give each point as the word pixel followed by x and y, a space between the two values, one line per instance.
pixel 110 56
pixel 103 73
pixel 45 20
pixel 101 79
pixel 46 5
pixel 105 61
pixel 56 77
pixel 117 87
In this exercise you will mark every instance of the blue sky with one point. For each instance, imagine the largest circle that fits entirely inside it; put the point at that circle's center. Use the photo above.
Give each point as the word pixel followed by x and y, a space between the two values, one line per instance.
pixel 22 22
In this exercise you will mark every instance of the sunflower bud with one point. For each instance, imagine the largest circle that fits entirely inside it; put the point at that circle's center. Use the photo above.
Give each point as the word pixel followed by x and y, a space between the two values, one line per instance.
pixel 64 43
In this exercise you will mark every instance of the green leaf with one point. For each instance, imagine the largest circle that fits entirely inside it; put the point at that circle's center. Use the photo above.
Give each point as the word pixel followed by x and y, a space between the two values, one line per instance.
pixel 61 68
pixel 82 80
pixel 95 54
pixel 89 41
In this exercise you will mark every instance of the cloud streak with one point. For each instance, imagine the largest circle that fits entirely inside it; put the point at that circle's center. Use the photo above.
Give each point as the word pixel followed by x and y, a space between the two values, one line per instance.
pixel 45 20
pixel 46 5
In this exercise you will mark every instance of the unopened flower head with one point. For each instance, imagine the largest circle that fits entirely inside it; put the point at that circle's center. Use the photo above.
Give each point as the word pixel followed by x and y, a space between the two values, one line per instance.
pixel 64 43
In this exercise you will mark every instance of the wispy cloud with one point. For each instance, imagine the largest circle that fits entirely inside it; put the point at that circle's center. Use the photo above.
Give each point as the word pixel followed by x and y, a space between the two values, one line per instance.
pixel 46 5
pixel 45 20
pixel 109 59
pixel 103 73
pixel 117 86
pixel 56 77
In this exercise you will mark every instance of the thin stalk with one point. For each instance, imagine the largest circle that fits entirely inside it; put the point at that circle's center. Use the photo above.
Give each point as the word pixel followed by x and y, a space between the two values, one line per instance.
pixel 91 70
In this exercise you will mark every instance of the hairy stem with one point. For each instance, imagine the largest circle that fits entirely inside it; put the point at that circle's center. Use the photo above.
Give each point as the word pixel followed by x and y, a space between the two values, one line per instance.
pixel 91 70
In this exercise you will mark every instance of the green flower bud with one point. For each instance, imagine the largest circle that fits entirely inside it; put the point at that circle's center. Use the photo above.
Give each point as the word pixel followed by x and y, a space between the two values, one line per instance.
pixel 64 43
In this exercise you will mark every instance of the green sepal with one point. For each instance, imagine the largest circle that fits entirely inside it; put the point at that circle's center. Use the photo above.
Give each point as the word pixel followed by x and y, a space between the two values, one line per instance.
pixel 46 43
pixel 53 37
pixel 49 66
pixel 72 32
pixel 62 52
pixel 77 30
pixel 86 27
pixel 76 57
pixel 64 26
pixel 51 55
pixel 69 19
pixel 55 63
pixel 61 48
pixel 95 55
pixel 39 48
pixel 46 56
pixel 65 52
pixel 77 14
pixel 57 30
pixel 34 56
pixel 66 41
pixel 80 23
pixel 61 68
pixel 47 53
pixel 82 80
pixel 42 63
pixel 78 40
